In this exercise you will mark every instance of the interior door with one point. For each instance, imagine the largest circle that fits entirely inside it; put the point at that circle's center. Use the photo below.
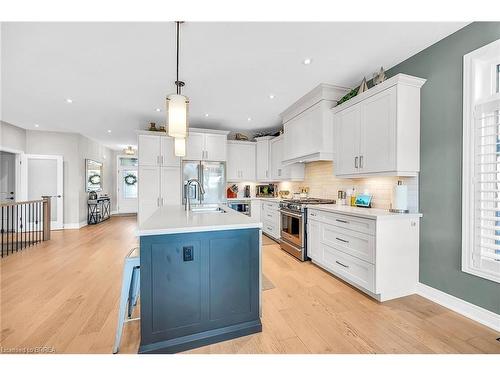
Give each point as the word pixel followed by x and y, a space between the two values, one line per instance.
pixel 378 133
pixel 347 131
pixel 43 176
pixel 7 177
pixel 127 185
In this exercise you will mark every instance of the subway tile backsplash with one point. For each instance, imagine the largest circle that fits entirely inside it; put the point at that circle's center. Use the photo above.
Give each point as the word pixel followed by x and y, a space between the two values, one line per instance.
pixel 323 184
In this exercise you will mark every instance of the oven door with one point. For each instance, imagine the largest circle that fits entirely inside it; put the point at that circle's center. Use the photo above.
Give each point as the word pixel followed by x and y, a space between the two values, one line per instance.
pixel 292 227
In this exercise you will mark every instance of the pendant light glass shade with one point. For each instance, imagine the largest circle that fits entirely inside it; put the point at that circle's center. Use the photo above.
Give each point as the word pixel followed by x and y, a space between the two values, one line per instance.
pixel 177 115
pixel 180 146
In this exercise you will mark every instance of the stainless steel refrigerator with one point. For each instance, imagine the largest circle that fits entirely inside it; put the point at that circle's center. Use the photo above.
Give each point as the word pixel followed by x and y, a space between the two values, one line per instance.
pixel 211 174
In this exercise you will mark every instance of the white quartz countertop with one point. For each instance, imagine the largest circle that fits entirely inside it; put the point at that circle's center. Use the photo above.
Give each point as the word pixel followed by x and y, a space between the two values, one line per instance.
pixel 254 198
pixel 174 219
pixel 369 213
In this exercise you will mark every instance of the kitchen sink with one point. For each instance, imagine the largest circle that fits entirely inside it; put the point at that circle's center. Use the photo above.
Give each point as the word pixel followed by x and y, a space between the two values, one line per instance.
pixel 208 209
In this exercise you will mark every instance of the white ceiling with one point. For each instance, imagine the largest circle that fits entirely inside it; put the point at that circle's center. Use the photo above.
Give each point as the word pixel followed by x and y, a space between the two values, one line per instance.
pixel 118 73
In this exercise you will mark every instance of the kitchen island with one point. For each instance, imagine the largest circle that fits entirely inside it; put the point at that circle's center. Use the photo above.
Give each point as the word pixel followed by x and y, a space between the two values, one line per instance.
pixel 200 278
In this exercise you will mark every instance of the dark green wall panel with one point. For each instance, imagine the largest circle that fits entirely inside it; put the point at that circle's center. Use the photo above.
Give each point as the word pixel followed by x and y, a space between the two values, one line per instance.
pixel 441 164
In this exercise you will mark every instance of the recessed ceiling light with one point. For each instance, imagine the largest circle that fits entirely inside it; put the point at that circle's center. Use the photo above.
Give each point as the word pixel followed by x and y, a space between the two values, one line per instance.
pixel 109 131
pixel 206 114
pixel 307 61
pixel 271 96
pixel 69 100
pixel 36 125
pixel 249 119
pixel 158 110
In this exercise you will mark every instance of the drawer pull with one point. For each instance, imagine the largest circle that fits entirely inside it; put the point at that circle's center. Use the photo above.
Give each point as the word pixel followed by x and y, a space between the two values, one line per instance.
pixel 343 265
pixel 313 214
pixel 342 221
pixel 340 239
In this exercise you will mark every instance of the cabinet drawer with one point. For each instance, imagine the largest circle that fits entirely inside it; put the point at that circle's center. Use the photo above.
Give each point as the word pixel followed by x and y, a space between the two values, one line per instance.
pixel 355 223
pixel 360 245
pixel 272 216
pixel 271 206
pixel 271 228
pixel 350 268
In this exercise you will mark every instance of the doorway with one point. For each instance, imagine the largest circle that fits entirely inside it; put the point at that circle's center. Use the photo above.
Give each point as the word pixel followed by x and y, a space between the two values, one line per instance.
pixel 7 177
pixel 126 184
pixel 42 175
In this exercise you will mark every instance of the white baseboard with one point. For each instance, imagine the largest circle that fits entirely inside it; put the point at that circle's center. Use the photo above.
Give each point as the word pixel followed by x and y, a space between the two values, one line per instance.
pixel 480 315
pixel 75 225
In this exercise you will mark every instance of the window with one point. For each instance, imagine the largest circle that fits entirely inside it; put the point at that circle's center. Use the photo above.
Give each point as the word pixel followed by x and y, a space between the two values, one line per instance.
pixel 481 163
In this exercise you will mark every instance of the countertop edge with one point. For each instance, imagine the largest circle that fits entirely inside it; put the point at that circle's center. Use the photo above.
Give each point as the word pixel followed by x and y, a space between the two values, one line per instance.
pixel 368 215
pixel 156 232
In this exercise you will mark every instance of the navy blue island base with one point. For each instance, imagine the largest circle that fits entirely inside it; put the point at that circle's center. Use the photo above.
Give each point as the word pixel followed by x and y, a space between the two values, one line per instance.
pixel 199 288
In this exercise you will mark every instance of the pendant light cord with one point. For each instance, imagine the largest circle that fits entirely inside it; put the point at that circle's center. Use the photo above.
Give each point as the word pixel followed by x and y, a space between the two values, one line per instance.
pixel 177 82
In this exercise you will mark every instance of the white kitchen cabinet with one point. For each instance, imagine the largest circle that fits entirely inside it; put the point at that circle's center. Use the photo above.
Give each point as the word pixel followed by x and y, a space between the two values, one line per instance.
pixel 279 171
pixel 256 209
pixel 378 132
pixel 308 128
pixel 202 144
pixel 263 161
pixel 170 184
pixel 378 255
pixel 241 161
pixel 156 150
pixel 271 219
pixel 149 192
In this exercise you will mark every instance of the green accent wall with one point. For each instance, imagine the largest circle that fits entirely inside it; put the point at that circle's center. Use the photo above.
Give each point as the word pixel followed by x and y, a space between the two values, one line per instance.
pixel 441 164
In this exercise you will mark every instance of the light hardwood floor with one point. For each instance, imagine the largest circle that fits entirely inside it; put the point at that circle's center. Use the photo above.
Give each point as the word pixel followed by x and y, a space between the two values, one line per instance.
pixel 63 294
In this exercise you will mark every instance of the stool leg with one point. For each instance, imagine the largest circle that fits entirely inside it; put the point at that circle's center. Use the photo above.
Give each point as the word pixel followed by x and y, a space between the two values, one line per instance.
pixel 126 281
pixel 134 291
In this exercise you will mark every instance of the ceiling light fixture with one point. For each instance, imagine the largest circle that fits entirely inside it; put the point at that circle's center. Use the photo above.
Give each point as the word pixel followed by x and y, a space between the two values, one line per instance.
pixel 271 96
pixel 206 114
pixel 158 110
pixel 177 109
pixel 129 151
pixel 69 101
pixel 109 131
pixel 307 61
pixel 249 119
pixel 36 125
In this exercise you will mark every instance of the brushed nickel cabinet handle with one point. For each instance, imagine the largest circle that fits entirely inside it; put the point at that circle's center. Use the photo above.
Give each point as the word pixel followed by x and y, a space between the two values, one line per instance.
pixel 342 221
pixel 343 265
pixel 356 162
pixel 361 161
pixel 342 240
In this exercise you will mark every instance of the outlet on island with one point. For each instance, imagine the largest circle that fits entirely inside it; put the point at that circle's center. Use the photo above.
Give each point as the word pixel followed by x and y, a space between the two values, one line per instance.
pixel 187 253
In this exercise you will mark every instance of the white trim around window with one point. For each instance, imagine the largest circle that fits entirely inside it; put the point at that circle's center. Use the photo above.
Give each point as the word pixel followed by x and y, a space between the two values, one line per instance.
pixel 481 164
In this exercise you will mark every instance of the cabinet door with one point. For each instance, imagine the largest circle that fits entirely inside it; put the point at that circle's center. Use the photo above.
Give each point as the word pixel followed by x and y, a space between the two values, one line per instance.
pixel 347 132
pixel 247 162
pixel 149 150
pixel 378 133
pixel 168 157
pixel 215 147
pixel 262 158
pixel 234 161
pixel 195 146
pixel 255 209
pixel 276 158
pixel 149 192
pixel 313 240
pixel 171 185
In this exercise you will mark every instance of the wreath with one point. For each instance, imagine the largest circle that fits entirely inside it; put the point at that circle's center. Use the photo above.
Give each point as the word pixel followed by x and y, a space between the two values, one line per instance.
pixel 95 179
pixel 130 179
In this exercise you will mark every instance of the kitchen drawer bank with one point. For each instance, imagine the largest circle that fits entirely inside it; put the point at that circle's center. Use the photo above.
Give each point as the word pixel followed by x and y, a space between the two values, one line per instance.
pixel 373 250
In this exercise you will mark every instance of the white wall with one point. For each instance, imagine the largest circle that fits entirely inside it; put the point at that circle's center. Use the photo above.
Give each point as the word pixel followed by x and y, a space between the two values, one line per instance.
pixel 12 137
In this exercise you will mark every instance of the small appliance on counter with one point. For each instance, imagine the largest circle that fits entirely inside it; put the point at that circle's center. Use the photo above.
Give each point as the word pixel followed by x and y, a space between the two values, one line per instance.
pixel 267 191
pixel 400 199
pixel 246 194
pixel 232 191
pixel 363 200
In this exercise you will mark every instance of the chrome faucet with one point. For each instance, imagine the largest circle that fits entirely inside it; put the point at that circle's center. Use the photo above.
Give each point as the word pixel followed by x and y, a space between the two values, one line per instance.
pixel 187 206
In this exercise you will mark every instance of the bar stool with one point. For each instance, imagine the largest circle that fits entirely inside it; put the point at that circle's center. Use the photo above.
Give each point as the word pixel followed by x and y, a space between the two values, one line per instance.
pixel 129 294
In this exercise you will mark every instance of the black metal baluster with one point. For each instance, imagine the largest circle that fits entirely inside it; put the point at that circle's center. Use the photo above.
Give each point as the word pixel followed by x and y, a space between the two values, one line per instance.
pixel 2 231
pixel 17 240
pixel 12 229
pixel 30 220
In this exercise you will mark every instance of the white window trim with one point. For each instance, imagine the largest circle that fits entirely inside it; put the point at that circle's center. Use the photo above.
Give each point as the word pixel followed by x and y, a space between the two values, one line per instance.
pixel 469 103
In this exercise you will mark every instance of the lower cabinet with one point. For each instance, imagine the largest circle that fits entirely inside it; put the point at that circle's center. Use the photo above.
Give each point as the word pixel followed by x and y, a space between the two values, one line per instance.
pixel 378 256
pixel 270 217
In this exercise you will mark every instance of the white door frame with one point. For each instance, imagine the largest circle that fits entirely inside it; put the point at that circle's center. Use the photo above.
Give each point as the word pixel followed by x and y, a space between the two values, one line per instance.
pixel 118 182
pixel 59 223
pixel 20 194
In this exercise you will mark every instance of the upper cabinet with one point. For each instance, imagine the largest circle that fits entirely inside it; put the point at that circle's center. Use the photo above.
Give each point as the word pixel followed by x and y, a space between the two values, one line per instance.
pixel 263 159
pixel 156 150
pixel 279 171
pixel 308 126
pixel 241 161
pixel 204 144
pixel 378 132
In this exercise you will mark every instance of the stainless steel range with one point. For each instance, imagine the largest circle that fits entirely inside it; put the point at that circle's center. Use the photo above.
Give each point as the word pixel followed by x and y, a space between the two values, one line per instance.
pixel 293 225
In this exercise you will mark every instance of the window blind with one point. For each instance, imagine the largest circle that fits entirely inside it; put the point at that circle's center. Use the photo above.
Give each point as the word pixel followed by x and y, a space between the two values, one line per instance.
pixel 486 179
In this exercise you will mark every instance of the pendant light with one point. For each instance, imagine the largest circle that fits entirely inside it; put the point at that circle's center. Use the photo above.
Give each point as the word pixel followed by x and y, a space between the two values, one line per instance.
pixel 180 146
pixel 177 106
